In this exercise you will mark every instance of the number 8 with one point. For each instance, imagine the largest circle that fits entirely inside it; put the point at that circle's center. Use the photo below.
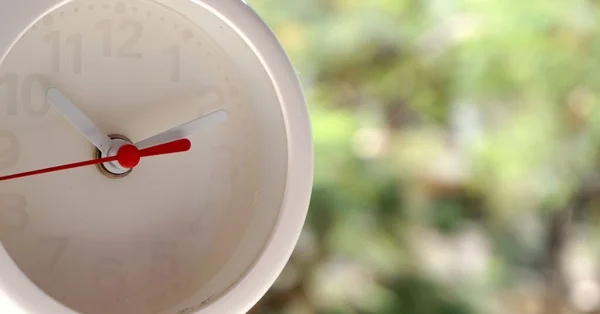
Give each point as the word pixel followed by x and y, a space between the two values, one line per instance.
pixel 13 217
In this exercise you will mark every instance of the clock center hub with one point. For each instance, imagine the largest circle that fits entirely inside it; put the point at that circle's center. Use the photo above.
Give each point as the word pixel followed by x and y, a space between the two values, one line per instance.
pixel 114 170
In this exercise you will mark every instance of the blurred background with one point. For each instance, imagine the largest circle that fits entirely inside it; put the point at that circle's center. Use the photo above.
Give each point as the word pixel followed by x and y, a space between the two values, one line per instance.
pixel 457 165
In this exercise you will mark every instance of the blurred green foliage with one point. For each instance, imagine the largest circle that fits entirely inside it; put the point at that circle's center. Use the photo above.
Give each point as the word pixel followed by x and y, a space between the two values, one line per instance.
pixel 447 132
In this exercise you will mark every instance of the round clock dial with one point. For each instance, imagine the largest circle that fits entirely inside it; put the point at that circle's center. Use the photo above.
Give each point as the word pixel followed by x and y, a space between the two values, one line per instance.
pixel 176 227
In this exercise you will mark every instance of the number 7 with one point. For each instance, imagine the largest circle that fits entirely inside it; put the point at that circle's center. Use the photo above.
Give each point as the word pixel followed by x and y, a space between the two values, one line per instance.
pixel 61 244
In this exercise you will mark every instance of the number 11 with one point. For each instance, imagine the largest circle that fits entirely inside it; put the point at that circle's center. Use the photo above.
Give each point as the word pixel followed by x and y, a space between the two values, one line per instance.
pixel 75 40
pixel 174 52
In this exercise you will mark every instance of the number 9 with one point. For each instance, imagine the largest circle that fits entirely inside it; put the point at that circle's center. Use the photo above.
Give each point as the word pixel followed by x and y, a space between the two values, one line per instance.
pixel 9 149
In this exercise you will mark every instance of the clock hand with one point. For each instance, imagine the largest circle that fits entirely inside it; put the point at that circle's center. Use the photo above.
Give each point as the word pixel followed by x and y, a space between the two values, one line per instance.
pixel 68 109
pixel 185 130
pixel 128 156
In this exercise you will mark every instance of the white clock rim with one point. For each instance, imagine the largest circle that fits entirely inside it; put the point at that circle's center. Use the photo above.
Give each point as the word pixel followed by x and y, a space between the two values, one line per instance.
pixel 19 295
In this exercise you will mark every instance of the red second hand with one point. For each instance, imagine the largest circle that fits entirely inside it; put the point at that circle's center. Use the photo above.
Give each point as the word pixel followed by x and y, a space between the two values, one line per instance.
pixel 128 156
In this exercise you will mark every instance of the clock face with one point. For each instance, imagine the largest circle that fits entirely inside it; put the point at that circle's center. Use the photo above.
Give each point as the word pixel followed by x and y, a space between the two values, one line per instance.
pixel 147 241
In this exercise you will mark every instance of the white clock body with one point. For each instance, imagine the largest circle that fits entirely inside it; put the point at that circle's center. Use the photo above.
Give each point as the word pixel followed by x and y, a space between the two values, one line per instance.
pixel 205 231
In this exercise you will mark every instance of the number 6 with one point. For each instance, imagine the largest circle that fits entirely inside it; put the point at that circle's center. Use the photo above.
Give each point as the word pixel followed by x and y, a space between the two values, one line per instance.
pixel 108 274
pixel 165 260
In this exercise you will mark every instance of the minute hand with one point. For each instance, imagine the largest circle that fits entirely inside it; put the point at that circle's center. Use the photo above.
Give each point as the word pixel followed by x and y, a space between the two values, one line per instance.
pixel 185 130
pixel 78 119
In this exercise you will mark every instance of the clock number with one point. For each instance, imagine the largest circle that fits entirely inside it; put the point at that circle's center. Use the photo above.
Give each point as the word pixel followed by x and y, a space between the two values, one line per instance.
pixel 174 52
pixel 32 85
pixel 164 272
pixel 205 223
pixel 125 51
pixel 201 219
pixel 137 28
pixel 61 244
pixel 164 259
pixel 75 40
pixel 228 171
pixel 11 81
pixel 108 274
pixel 9 149
pixel 106 27
pixel 53 38
pixel 13 217
pixel 225 175
pixel 212 98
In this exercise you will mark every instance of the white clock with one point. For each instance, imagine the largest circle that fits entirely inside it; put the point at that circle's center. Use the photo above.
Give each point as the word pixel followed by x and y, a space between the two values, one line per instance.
pixel 188 154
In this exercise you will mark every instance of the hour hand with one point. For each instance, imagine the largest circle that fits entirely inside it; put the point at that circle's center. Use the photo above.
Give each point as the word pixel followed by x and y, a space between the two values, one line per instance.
pixel 68 109
pixel 185 130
